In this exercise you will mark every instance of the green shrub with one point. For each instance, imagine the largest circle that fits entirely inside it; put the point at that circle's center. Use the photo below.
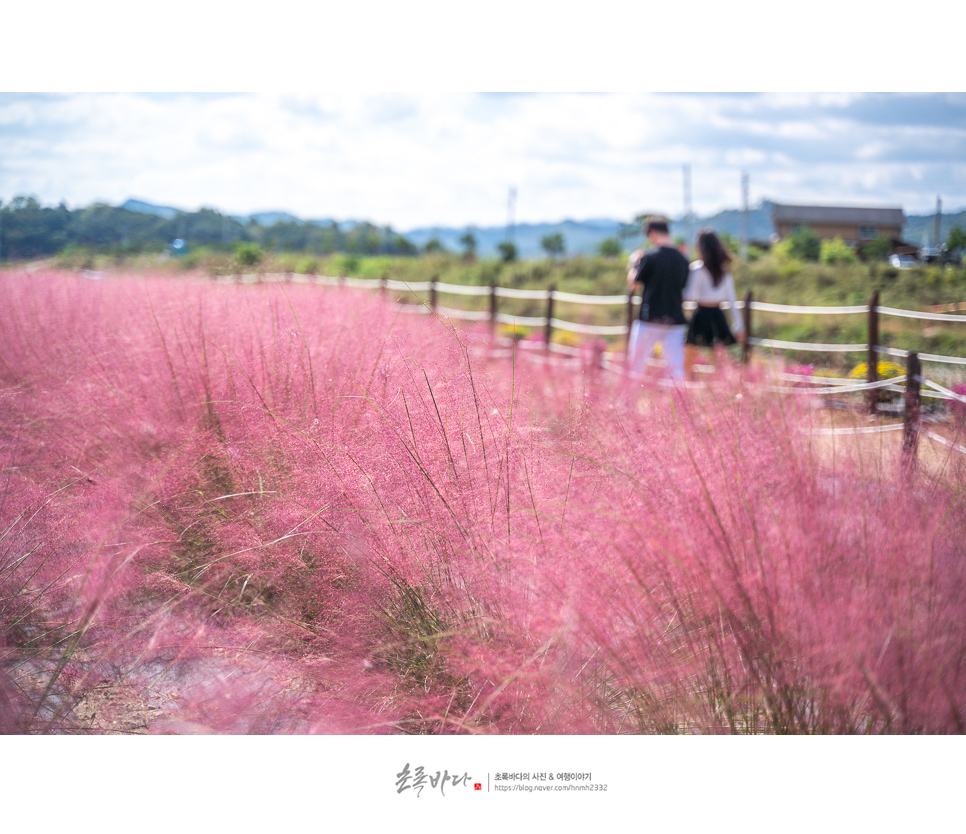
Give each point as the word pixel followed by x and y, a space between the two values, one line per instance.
pixel 803 245
pixel 349 264
pixel 191 260
pixel 76 257
pixel 248 254
pixel 307 266
pixel 790 268
pixel 825 279
pixel 836 251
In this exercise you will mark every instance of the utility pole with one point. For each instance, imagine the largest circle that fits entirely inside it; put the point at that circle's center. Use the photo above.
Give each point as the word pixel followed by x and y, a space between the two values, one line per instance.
pixel 744 216
pixel 511 204
pixel 689 232
pixel 939 214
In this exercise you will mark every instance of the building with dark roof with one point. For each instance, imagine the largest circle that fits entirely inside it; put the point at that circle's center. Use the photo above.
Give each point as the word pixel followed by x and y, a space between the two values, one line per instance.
pixel 854 224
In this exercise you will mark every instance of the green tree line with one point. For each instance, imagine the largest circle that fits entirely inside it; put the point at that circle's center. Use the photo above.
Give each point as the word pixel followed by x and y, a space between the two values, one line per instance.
pixel 29 230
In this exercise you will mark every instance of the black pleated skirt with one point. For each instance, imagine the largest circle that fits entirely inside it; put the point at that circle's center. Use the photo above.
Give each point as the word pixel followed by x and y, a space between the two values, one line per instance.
pixel 708 327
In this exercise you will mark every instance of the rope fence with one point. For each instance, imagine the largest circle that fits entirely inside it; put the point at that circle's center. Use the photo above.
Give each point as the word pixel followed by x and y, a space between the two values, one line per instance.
pixel 924 357
pixel 910 384
pixel 893 382
pixel 778 344
pixel 942 392
pixel 940 439
pixel 858 430
pixel 551 322
pixel 915 314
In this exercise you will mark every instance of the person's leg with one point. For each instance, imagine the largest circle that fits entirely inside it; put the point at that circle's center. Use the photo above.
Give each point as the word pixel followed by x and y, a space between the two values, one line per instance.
pixel 673 344
pixel 632 339
pixel 643 338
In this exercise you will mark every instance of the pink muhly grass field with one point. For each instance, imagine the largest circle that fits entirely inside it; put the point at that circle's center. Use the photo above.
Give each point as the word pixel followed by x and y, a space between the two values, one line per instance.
pixel 294 509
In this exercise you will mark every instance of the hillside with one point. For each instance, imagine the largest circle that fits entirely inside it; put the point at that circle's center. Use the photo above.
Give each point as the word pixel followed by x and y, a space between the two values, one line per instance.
pixel 580 236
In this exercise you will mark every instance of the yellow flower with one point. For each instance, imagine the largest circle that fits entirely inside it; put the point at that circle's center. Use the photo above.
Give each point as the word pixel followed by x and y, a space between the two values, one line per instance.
pixel 885 370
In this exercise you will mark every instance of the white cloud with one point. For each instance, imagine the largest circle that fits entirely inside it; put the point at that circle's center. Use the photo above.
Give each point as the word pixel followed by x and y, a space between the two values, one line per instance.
pixel 439 158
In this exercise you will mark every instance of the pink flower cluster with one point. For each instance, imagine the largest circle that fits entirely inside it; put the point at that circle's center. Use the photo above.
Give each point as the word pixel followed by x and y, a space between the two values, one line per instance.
pixel 285 508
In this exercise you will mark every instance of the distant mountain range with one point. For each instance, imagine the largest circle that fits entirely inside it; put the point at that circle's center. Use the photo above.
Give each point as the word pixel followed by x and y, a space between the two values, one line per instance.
pixel 263 218
pixel 580 236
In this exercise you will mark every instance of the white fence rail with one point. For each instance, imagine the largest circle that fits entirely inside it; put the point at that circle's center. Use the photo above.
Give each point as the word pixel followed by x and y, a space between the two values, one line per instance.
pixel 551 322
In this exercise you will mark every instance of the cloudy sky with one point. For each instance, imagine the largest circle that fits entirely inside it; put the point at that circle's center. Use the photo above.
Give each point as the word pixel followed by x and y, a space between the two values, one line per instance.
pixel 424 158
pixel 441 158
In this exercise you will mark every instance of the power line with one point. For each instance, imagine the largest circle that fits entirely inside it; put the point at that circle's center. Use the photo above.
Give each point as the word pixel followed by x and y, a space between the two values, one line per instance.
pixel 939 214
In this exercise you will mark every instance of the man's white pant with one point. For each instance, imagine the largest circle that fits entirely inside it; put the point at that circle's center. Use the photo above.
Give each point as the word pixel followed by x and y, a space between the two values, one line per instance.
pixel 644 335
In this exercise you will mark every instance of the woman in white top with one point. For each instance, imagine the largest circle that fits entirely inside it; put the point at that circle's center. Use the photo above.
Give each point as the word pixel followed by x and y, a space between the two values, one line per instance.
pixel 710 284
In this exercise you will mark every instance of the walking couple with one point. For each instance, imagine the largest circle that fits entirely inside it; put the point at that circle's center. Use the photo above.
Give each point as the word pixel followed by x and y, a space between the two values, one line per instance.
pixel 667 281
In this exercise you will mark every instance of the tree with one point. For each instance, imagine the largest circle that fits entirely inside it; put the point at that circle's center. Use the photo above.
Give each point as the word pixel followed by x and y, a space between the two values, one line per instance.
pixel 468 242
pixel 364 239
pixel 508 251
pixel 404 246
pixel 956 239
pixel 804 244
pixel 610 248
pixel 876 250
pixel 30 231
pixel 331 239
pixel 731 244
pixel 433 246
pixel 553 244
pixel 281 236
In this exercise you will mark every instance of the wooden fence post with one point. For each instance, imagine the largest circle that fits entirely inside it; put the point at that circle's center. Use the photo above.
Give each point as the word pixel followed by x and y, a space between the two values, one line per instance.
pixel 746 319
pixel 432 294
pixel 872 363
pixel 548 329
pixel 911 423
pixel 382 285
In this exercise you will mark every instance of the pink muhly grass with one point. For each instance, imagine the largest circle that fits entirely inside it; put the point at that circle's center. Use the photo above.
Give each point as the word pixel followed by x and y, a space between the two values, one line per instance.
pixel 295 509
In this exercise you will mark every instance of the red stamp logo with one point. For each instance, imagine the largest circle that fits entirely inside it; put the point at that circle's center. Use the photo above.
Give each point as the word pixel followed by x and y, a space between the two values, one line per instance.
pixel 477 786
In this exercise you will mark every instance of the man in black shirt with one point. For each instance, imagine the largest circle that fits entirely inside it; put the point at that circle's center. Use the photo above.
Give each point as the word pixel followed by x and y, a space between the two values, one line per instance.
pixel 663 273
